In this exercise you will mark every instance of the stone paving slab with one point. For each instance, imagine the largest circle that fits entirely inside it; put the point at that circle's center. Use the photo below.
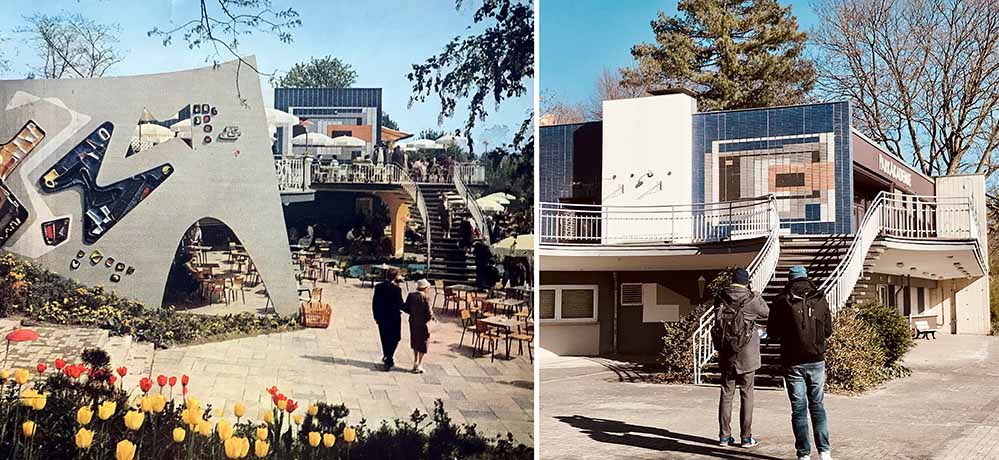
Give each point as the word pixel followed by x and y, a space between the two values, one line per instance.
pixel 948 409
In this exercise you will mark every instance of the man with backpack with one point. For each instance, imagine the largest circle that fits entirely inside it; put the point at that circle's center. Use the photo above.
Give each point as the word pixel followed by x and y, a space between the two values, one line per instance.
pixel 801 322
pixel 737 308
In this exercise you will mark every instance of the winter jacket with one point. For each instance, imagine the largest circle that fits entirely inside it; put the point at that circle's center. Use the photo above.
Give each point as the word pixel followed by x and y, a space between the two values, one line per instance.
pixel 801 322
pixel 748 358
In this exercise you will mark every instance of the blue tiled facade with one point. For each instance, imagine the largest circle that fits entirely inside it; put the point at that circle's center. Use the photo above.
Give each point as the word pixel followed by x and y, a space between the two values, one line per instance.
pixel 555 153
pixel 346 98
pixel 781 142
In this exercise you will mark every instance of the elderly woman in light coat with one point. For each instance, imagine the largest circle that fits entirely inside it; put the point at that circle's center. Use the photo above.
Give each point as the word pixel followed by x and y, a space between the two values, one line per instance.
pixel 418 307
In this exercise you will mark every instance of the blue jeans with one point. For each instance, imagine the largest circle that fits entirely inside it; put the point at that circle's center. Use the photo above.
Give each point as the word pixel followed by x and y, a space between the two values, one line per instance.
pixel 804 384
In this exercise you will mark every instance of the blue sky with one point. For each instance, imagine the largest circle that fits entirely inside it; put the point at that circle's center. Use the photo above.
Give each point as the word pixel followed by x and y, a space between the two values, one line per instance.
pixel 578 38
pixel 380 39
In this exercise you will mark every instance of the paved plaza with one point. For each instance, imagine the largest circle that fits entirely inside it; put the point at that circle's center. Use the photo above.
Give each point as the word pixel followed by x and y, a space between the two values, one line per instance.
pixel 947 410
pixel 338 364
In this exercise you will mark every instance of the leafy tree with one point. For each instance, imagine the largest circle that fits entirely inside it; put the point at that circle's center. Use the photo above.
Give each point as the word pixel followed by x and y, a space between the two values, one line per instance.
pixel 495 64
pixel 388 122
pixel 326 72
pixel 71 45
pixel 431 134
pixel 221 23
pixel 732 53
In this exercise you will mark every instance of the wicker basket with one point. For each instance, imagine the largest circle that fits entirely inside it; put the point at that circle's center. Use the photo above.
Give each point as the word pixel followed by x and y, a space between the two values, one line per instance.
pixel 315 314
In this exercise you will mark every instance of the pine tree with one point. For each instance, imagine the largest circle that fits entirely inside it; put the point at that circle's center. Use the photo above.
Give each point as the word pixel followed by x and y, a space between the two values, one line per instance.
pixel 732 53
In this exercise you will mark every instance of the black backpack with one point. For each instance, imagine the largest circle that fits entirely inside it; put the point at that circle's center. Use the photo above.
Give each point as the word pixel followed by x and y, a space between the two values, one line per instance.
pixel 731 330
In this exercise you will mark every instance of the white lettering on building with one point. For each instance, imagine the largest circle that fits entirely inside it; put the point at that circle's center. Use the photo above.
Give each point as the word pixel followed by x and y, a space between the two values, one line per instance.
pixel 894 171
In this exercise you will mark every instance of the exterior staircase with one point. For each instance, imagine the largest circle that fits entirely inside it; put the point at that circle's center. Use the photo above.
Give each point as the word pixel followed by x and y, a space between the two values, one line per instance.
pixel 448 262
pixel 819 254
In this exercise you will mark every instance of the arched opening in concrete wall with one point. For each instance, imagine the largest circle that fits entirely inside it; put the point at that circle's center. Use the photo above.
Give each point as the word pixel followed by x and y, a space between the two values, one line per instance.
pixel 213 273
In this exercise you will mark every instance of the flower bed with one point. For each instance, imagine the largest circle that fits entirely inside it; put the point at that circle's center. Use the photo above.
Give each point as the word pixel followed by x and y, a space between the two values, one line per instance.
pixel 36 293
pixel 80 411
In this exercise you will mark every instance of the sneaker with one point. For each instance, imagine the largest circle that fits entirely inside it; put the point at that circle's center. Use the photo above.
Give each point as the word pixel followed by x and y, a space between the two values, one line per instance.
pixel 749 443
pixel 825 455
pixel 725 442
pixel 419 370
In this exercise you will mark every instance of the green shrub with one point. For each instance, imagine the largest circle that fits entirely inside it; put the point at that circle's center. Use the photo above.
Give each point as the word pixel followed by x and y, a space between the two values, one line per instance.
pixel 676 360
pixel 892 329
pixel 47 297
pixel 854 355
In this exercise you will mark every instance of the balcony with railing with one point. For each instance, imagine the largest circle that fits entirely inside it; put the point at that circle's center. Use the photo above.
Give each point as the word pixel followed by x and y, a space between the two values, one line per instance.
pixel 599 225
pixel 300 173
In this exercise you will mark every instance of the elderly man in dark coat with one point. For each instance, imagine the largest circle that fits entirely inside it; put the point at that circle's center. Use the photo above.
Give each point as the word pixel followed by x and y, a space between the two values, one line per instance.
pixel 737 309
pixel 386 306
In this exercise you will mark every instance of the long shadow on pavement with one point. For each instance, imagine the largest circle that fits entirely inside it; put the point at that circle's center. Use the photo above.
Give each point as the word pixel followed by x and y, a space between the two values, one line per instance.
pixel 347 362
pixel 616 432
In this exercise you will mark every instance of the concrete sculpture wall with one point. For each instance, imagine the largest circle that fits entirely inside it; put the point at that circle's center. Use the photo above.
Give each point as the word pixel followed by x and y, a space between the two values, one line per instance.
pixel 86 197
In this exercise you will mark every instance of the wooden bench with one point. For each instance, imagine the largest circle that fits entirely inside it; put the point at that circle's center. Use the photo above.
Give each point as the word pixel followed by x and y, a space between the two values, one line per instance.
pixel 923 330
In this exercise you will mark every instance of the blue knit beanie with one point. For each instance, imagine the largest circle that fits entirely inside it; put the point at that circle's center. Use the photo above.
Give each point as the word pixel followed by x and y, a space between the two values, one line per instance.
pixel 740 276
pixel 798 271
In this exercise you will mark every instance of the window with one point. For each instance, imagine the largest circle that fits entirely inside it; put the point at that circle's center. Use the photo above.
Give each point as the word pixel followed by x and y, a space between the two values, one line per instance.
pixel 791 180
pixel 920 300
pixel 568 303
pixel 336 133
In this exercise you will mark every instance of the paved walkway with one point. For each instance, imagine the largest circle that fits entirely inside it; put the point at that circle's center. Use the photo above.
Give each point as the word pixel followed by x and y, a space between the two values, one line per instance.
pixel 948 409
pixel 340 364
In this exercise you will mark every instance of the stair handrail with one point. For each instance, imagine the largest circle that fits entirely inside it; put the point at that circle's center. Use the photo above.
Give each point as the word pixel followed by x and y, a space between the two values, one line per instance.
pixel 761 270
pixel 473 207
pixel 413 190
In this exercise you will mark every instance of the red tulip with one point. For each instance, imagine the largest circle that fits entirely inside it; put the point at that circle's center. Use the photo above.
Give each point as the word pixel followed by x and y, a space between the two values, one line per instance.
pixel 60 363
pixel 272 390
pixel 145 384
pixel 41 368
pixel 173 381
pixel 292 405
pixel 112 379
pixel 184 380
pixel 122 371
pixel 161 380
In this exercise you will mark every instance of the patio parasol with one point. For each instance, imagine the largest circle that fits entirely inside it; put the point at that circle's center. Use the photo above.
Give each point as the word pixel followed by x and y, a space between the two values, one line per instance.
pixel 18 335
pixel 519 246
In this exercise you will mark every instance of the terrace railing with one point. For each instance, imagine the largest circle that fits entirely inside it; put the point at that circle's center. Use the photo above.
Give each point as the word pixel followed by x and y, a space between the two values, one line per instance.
pixel 761 271
pixel 294 173
pixel 902 216
pixel 576 224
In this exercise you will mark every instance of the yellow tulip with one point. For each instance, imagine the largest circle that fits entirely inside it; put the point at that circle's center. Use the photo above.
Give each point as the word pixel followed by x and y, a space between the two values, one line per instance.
pixel 298 419
pixel 349 434
pixel 269 417
pixel 125 450
pixel 260 448
pixel 84 415
pixel 106 409
pixel 4 374
pixel 134 419
pixel 84 438
pixel 179 434
pixel 282 404
pixel 193 402
pixel 225 430
pixel 21 376
pixel 329 439
pixel 146 404
pixel 28 428
pixel 262 433
pixel 314 439
pixel 159 403
pixel 191 416
pixel 236 447
pixel 204 428
pixel 239 410
pixel 33 399
pixel 313 410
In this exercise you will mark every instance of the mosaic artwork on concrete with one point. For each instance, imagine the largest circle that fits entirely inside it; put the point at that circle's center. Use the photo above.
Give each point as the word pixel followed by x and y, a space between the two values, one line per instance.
pixel 95 195
pixel 799 170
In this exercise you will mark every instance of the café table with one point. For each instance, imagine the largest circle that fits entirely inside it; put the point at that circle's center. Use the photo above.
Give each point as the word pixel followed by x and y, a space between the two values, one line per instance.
pixel 466 289
pixel 508 304
pixel 508 325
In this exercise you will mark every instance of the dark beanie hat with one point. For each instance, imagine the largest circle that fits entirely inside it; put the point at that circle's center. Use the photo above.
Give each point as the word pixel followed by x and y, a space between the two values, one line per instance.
pixel 740 276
